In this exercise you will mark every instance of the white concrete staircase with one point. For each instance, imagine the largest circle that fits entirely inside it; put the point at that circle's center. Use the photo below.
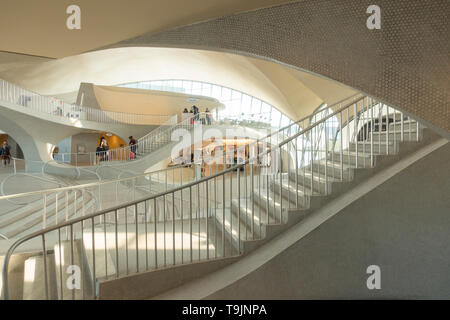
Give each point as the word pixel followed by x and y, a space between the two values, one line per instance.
pixel 246 215
pixel 247 225
pixel 29 218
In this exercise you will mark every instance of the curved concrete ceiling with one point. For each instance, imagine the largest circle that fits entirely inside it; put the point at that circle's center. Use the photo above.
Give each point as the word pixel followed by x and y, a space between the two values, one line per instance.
pixel 39 27
pixel 406 63
pixel 280 86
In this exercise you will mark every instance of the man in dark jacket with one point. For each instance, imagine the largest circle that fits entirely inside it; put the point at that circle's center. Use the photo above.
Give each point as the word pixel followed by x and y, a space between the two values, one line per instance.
pixel 133 144
pixel 5 153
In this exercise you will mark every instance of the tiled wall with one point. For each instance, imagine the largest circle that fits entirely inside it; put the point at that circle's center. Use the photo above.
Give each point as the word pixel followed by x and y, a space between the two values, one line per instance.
pixel 406 63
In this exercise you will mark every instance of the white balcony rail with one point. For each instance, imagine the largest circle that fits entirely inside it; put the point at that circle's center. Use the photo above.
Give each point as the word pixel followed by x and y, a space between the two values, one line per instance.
pixel 159 137
pixel 52 106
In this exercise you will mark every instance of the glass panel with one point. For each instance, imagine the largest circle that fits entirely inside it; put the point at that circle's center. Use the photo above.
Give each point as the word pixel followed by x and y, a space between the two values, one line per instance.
pixel 275 121
pixel 284 121
pixel 246 106
pixel 206 89
pixel 215 92
pixel 187 85
pixel 178 85
pixel 237 104
pixel 256 105
pixel 196 88
pixel 226 94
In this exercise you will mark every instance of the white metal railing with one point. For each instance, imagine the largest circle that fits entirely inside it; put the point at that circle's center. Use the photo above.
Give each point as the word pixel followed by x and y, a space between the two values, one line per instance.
pixel 52 206
pixel 159 137
pixel 213 216
pixel 52 106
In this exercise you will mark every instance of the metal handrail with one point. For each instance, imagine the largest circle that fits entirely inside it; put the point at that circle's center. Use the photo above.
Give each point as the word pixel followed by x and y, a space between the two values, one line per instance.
pixel 188 185
pixel 95 184
pixel 83 186
pixel 125 151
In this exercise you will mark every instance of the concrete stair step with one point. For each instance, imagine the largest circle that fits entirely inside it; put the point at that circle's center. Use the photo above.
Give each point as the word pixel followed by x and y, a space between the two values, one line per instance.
pixel 270 203
pixel 333 168
pixel 234 229
pixel 250 215
pixel 349 157
pixel 407 135
pixel 313 180
pixel 378 147
pixel 407 125
pixel 290 192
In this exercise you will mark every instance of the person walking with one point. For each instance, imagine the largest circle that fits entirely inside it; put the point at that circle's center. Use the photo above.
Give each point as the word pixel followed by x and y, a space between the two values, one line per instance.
pixel 5 153
pixel 105 149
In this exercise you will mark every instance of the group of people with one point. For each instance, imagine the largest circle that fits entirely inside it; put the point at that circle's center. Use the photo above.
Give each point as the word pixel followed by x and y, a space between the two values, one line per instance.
pixel 102 149
pixel 196 115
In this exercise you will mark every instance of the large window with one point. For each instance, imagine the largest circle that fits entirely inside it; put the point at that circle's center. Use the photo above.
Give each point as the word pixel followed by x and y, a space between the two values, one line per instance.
pixel 238 105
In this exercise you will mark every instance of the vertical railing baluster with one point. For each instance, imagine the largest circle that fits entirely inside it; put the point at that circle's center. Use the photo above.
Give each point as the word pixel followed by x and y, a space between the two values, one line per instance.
pixel 44 250
pixel 136 235
pixel 72 256
pixel 155 233
pixel 207 219
pixel 116 235
pixel 173 227
pixel 94 274
pixel 372 129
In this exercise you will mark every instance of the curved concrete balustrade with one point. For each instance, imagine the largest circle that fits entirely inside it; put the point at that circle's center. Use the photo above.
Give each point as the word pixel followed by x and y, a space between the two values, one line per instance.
pixel 37 133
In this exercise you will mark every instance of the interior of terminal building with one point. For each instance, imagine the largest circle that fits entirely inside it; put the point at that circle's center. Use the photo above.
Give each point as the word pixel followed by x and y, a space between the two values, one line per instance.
pixel 224 149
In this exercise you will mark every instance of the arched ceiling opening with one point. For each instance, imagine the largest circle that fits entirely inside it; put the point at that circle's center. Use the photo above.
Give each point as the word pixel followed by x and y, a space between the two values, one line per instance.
pixel 278 85
pixel 405 63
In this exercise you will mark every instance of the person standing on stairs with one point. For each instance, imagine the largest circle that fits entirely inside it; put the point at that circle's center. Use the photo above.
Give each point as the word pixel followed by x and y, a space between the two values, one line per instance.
pixel 133 147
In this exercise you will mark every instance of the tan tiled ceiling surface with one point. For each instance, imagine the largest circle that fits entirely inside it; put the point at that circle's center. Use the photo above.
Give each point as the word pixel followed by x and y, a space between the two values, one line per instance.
pixel 406 63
